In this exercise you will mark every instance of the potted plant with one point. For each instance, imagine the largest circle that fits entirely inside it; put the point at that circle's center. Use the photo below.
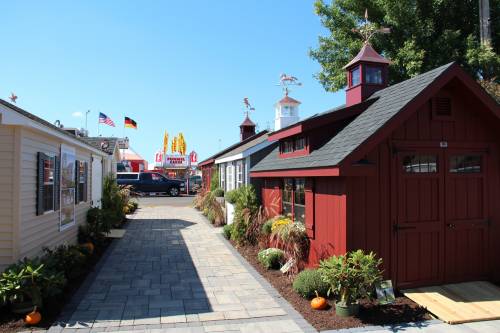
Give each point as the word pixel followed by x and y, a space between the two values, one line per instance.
pixel 351 277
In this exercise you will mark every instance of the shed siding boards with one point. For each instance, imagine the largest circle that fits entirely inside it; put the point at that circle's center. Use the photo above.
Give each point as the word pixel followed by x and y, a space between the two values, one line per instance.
pixel 41 231
pixel 7 184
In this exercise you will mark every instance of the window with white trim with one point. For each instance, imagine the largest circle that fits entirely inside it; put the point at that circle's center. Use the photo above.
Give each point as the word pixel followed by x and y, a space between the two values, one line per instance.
pixel 48 183
pixel 222 176
pixel 230 177
pixel 239 174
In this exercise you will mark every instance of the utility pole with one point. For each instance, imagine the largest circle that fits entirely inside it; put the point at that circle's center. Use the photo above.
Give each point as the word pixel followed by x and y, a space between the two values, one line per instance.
pixel 485 22
pixel 86 118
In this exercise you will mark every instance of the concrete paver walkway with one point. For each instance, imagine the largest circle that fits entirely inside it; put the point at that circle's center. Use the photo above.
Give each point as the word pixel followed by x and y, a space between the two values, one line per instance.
pixel 173 271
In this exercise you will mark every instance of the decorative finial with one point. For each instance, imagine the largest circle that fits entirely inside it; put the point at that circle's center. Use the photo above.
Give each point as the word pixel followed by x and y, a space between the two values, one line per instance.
pixel 368 30
pixel 288 80
pixel 13 98
pixel 248 107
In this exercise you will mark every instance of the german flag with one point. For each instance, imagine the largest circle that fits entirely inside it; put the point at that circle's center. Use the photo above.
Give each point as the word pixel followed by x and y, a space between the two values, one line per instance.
pixel 129 123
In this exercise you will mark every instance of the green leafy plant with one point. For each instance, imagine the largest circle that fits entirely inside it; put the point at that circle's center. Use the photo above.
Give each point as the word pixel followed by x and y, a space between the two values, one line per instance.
pixel 30 280
pixel 115 200
pixel 309 282
pixel 232 196
pixel 99 223
pixel 351 276
pixel 247 215
pixel 266 228
pixel 271 258
pixel 214 180
pixel 291 237
pixel 218 192
pixel 226 231
pixel 68 259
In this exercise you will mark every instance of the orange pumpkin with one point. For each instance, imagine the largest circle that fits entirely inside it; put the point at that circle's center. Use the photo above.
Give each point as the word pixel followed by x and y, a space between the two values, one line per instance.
pixel 33 317
pixel 318 303
pixel 89 247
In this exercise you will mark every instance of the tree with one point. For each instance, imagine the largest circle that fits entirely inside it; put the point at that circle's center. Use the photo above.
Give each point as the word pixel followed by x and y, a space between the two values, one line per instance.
pixel 424 34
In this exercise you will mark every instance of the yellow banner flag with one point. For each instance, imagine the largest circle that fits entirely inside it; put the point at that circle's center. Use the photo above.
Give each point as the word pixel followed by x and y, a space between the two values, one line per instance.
pixel 165 143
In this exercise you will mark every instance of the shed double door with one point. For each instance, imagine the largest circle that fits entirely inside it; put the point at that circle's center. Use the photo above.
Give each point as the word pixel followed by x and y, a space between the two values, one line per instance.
pixel 441 225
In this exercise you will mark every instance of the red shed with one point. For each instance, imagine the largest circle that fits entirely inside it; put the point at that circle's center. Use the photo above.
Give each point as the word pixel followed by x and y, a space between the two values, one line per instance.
pixel 410 171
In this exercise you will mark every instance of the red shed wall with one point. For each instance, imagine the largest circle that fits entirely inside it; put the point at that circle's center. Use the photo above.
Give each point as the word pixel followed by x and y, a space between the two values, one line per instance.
pixel 329 219
pixel 372 203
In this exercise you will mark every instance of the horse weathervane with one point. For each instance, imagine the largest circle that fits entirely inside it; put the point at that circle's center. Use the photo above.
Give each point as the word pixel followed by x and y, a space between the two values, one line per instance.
pixel 368 30
pixel 248 106
pixel 288 80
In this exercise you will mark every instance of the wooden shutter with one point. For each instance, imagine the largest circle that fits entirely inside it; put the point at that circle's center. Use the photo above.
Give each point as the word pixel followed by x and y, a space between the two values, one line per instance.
pixel 57 183
pixel 309 194
pixel 77 181
pixel 40 188
pixel 86 178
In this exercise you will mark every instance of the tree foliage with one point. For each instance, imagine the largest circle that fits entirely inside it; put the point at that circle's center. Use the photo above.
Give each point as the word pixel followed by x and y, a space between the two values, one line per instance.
pixel 424 34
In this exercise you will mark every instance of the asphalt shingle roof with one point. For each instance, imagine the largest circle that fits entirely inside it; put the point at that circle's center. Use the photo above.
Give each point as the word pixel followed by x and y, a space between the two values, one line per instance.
pixel 245 146
pixel 97 140
pixel 388 102
pixel 234 146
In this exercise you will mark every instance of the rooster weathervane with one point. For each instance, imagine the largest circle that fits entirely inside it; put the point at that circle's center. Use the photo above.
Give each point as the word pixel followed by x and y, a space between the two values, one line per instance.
pixel 367 30
pixel 248 106
pixel 288 80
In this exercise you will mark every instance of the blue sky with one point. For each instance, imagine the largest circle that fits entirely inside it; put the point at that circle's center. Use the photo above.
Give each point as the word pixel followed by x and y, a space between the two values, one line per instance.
pixel 180 66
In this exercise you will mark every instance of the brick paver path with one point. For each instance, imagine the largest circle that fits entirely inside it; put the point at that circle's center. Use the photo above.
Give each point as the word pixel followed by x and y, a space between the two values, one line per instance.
pixel 172 272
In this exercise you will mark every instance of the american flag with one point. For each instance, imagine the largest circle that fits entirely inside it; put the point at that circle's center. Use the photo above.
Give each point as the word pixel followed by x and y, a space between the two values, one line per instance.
pixel 103 119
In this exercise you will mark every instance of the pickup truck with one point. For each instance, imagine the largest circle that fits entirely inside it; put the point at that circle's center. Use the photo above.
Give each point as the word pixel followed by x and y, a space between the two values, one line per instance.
pixel 151 182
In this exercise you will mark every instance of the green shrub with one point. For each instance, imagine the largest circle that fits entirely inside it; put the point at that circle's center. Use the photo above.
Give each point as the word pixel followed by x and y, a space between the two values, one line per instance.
pixel 232 196
pixel 99 223
pixel 271 258
pixel 218 192
pixel 205 211
pixel 68 259
pixel 30 281
pixel 266 227
pixel 308 282
pixel 214 180
pixel 211 216
pixel 352 276
pixel 226 231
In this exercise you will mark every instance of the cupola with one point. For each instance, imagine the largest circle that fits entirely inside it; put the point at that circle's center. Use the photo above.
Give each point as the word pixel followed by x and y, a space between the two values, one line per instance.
pixel 366 74
pixel 286 112
pixel 247 129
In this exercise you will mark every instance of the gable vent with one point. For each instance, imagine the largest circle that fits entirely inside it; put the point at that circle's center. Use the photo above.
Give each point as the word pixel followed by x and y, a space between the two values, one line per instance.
pixel 442 106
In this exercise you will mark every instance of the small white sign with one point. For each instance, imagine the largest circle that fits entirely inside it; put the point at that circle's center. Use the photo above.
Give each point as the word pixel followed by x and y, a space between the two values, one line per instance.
pixel 385 292
pixel 286 267
pixel 443 144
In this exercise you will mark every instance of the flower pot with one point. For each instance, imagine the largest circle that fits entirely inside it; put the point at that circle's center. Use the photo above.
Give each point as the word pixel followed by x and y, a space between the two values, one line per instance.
pixel 22 307
pixel 346 310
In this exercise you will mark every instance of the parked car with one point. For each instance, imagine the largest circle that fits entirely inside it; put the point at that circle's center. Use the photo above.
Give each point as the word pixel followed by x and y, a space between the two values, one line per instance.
pixel 151 182
pixel 194 184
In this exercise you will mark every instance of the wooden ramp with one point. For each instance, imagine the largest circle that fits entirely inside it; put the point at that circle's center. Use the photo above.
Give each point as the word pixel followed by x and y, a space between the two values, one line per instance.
pixel 459 303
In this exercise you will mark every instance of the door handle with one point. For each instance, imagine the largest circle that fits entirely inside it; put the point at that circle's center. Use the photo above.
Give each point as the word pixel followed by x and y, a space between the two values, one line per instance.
pixel 396 227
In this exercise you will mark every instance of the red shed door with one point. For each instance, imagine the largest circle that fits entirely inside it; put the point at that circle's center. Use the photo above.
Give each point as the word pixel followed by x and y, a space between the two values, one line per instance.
pixel 441 229
pixel 418 231
pixel 467 221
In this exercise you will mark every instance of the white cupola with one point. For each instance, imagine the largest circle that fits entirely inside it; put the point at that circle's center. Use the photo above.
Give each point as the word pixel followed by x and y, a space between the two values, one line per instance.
pixel 287 112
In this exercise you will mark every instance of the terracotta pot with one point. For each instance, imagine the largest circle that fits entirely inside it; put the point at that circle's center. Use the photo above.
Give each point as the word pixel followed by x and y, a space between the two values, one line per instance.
pixel 346 310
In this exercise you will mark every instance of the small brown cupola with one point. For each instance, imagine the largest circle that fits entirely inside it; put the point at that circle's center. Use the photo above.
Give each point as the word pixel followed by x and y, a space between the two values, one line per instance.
pixel 366 74
pixel 247 129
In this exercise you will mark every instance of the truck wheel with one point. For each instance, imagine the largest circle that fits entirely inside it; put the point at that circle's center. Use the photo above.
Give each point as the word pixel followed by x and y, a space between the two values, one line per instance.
pixel 174 192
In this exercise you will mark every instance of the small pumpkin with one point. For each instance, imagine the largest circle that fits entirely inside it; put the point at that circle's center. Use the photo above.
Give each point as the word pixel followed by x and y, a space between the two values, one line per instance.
pixel 318 303
pixel 33 317
pixel 89 247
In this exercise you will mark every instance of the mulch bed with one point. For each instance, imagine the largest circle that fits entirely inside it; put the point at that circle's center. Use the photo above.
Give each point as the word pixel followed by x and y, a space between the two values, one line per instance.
pixel 10 322
pixel 402 311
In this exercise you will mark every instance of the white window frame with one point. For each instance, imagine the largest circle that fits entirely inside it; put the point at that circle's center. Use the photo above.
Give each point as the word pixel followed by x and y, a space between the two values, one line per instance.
pixel 239 174
pixel 222 176
pixel 230 176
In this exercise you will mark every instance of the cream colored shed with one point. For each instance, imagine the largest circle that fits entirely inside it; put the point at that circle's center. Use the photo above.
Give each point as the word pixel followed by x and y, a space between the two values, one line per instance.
pixel 45 187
